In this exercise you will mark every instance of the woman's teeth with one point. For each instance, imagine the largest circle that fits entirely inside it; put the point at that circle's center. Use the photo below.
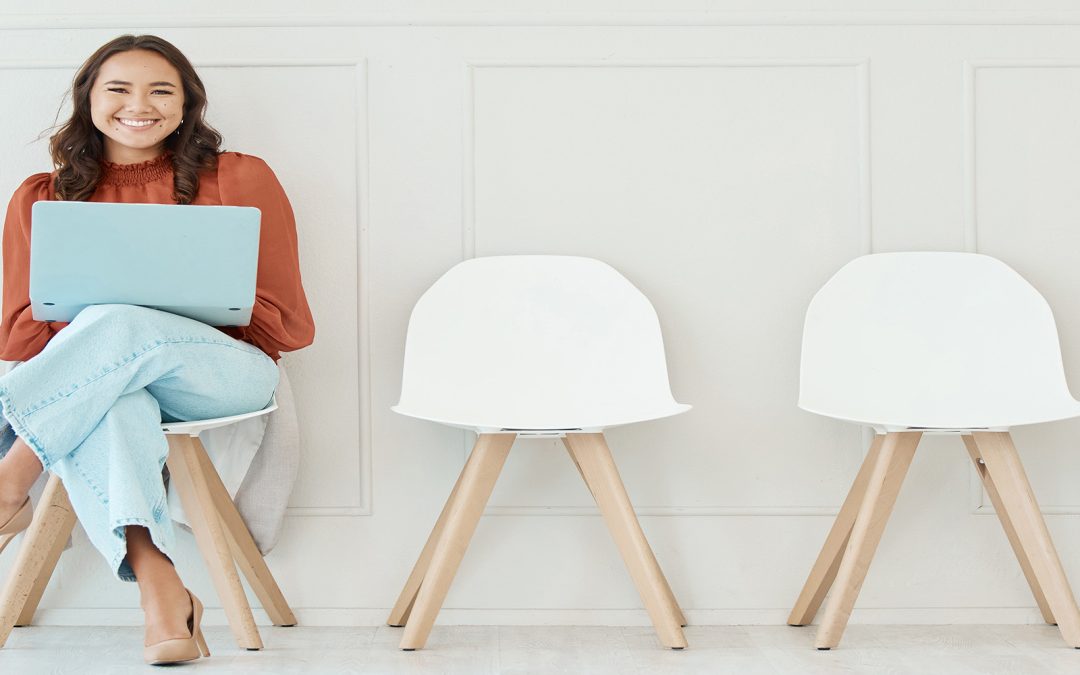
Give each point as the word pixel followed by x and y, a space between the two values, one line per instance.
pixel 136 123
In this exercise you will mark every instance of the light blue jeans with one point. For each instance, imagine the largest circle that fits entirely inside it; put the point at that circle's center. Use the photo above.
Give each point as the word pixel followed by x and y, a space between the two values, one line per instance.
pixel 90 405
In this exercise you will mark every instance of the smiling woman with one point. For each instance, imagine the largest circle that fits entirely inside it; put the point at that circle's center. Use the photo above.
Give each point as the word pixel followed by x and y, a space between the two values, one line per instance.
pixel 136 117
pixel 135 98
pixel 137 135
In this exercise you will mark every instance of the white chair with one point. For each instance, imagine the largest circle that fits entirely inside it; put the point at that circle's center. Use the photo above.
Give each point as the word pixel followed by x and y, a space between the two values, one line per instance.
pixel 219 532
pixel 916 343
pixel 534 346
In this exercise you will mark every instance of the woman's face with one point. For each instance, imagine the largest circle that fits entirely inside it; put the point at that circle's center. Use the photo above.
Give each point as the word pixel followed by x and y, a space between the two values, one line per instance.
pixel 136 101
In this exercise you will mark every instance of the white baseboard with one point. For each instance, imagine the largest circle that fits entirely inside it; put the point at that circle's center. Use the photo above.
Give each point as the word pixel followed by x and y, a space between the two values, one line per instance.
pixel 565 617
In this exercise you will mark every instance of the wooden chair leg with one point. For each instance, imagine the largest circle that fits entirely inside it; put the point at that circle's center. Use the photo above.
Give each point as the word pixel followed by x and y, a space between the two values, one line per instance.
pixel 399 615
pixel 1003 464
pixel 245 552
pixel 190 479
pixel 667 587
pixel 53 521
pixel 894 458
pixel 823 573
pixel 52 557
pixel 475 485
pixel 1010 531
pixel 598 468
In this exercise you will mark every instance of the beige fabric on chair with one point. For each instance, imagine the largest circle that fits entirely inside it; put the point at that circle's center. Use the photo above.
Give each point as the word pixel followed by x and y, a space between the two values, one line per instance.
pixel 258 460
pixel 263 494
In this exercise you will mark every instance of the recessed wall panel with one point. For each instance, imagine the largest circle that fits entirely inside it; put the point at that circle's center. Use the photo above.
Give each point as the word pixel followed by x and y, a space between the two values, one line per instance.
pixel 728 193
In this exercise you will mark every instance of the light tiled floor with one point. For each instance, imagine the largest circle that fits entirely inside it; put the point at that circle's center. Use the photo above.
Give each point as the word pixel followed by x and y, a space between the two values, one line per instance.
pixel 477 650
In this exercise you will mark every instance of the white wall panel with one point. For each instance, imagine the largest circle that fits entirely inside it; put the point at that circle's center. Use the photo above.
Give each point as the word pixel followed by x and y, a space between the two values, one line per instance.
pixel 725 156
pixel 307 119
pixel 633 164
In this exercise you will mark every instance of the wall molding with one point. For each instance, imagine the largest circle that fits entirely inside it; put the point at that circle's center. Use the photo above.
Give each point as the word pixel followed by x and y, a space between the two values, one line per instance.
pixel 451 616
pixel 861 71
pixel 971 70
pixel 366 411
pixel 69 21
pixel 667 511
pixel 41 64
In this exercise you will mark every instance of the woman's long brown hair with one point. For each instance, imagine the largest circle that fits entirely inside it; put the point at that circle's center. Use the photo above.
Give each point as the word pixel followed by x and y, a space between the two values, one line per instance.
pixel 78 149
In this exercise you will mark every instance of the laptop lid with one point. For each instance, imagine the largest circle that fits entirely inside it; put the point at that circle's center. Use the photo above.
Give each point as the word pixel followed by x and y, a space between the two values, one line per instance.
pixel 195 261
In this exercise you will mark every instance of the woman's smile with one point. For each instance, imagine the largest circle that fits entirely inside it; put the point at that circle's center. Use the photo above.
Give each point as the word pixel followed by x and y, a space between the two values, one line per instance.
pixel 137 124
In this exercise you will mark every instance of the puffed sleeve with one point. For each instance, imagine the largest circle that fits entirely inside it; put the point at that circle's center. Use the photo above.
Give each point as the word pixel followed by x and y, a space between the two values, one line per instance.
pixel 281 319
pixel 20 336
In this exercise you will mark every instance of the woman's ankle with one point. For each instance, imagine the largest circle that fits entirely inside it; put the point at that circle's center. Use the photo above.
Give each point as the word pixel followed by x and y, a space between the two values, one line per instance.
pixel 154 572
pixel 165 593
pixel 12 494
pixel 19 470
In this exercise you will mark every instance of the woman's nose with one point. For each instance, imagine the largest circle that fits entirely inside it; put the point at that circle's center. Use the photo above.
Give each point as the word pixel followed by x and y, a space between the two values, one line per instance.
pixel 138 102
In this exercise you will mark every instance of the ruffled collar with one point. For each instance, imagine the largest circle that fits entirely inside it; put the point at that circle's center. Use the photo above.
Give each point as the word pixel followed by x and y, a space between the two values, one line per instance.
pixel 137 174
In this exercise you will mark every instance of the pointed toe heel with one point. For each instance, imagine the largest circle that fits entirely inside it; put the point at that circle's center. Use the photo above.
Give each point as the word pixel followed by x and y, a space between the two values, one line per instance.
pixel 179 650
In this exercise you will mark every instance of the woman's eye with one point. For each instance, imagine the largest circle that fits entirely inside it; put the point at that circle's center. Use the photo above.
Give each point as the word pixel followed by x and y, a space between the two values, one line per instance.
pixel 122 90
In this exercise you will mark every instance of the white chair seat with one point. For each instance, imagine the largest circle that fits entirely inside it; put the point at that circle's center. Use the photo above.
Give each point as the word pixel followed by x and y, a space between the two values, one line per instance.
pixel 535 342
pixel 195 427
pixel 524 421
pixel 932 340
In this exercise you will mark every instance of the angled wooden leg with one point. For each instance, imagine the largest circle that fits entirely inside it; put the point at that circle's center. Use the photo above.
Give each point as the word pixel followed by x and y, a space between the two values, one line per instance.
pixel 598 468
pixel 44 539
pixel 683 623
pixel 1010 531
pixel 52 557
pixel 667 587
pixel 399 615
pixel 894 458
pixel 245 552
pixel 1003 464
pixel 825 567
pixel 476 483
pixel 190 480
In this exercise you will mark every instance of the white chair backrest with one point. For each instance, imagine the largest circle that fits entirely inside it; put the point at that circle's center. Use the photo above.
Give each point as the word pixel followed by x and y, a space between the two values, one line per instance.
pixel 935 340
pixel 534 342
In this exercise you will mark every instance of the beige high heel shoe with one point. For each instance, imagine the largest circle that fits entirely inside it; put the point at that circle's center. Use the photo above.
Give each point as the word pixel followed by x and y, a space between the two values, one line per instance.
pixel 16 524
pixel 178 650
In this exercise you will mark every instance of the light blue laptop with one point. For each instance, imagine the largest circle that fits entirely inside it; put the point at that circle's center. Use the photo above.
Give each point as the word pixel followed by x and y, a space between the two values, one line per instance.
pixel 195 261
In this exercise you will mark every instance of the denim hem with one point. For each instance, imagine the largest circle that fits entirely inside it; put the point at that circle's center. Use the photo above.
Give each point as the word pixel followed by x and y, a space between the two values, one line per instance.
pixel 118 530
pixel 18 425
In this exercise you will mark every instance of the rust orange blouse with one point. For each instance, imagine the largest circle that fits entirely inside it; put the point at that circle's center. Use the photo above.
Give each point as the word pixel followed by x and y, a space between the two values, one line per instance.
pixel 280 321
